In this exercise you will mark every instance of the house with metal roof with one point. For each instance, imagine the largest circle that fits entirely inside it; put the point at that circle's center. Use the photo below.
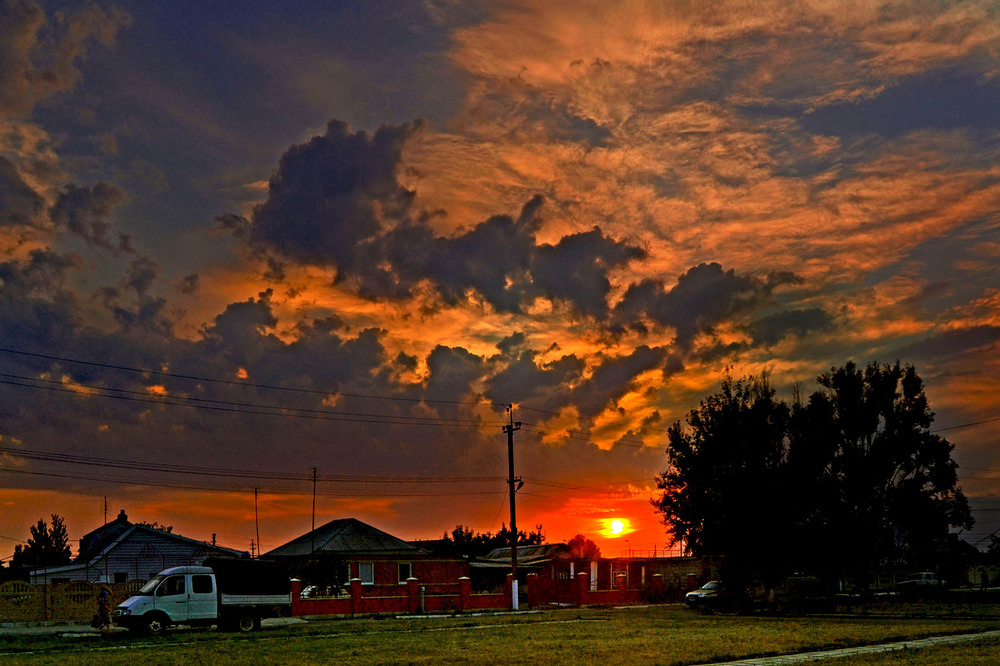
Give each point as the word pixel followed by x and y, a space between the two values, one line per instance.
pixel 122 551
pixel 329 557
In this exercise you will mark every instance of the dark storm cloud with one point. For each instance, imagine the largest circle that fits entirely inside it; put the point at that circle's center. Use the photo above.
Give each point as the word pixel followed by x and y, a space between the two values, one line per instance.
pixel 704 296
pixel 331 196
pixel 774 328
pixel 523 379
pixel 239 327
pixel 950 344
pixel 613 378
pixel 44 272
pixel 85 211
pixel 38 57
pixel 453 371
pixel 189 284
pixel 141 274
pixel 335 201
pixel 20 204
pixel 576 269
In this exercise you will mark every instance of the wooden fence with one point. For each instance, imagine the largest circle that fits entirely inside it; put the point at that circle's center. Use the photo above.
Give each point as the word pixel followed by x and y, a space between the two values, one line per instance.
pixel 60 602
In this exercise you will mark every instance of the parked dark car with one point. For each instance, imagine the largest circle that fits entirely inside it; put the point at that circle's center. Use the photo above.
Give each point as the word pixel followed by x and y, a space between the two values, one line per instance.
pixel 709 594
pixel 921 583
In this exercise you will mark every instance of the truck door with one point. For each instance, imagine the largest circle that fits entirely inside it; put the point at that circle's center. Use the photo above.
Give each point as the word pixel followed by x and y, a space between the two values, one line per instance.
pixel 171 597
pixel 202 600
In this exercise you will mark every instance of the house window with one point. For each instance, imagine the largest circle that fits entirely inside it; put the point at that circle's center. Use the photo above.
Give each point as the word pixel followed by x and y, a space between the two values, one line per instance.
pixel 121 577
pixel 405 571
pixel 366 572
pixel 342 574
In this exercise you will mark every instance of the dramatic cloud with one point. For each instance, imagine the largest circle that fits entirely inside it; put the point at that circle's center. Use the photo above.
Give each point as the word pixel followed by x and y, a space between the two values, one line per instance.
pixel 85 212
pixel 704 296
pixel 38 56
pixel 331 197
pixel 335 201
pixel 20 204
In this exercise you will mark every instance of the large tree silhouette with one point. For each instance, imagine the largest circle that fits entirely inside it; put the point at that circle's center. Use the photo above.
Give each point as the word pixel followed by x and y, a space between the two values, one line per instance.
pixel 722 490
pixel 848 482
pixel 885 487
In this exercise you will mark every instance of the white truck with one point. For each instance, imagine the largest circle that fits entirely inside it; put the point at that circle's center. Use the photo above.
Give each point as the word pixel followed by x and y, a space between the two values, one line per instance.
pixel 233 594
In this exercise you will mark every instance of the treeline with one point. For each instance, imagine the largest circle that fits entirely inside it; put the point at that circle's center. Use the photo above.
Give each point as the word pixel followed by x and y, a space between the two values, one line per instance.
pixel 464 541
pixel 846 482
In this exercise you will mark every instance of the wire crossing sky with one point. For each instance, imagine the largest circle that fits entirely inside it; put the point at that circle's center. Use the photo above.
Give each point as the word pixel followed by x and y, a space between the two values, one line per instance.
pixel 347 235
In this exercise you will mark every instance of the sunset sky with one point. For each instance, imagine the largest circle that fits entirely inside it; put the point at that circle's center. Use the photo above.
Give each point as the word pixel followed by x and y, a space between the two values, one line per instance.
pixel 242 240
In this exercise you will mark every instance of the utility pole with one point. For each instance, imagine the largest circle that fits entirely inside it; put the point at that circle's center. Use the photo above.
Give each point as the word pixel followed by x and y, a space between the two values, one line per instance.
pixel 106 572
pixel 255 520
pixel 511 481
pixel 312 533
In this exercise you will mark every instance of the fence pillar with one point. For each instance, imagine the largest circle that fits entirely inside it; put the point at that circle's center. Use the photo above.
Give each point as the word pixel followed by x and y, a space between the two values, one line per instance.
pixel 297 598
pixel 531 593
pixel 581 590
pixel 464 592
pixel 413 591
pixel 657 587
pixel 621 584
pixel 508 591
pixel 692 581
pixel 356 600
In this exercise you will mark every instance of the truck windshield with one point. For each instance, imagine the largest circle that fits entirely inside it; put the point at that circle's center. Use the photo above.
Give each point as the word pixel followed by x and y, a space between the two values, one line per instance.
pixel 150 585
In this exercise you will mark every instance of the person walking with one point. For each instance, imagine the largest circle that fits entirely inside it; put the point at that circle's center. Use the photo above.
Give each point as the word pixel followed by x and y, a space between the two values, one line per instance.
pixel 104 609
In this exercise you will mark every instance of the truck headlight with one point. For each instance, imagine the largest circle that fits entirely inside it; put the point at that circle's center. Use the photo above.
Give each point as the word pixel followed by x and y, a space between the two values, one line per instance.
pixel 123 611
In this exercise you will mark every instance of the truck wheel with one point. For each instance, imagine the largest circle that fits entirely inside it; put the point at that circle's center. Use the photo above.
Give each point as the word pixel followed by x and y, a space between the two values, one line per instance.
pixel 154 624
pixel 246 623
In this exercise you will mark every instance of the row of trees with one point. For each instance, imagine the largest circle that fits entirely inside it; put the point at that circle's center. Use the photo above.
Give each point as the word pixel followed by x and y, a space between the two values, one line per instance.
pixel 464 541
pixel 46 547
pixel 842 484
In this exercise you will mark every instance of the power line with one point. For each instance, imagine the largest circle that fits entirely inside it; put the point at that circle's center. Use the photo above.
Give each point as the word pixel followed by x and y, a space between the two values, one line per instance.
pixel 289 412
pixel 73 459
pixel 967 425
pixel 280 409
pixel 232 488
pixel 163 373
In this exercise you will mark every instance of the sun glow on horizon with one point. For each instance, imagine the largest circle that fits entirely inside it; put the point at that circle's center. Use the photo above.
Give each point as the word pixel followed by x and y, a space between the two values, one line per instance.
pixel 616 527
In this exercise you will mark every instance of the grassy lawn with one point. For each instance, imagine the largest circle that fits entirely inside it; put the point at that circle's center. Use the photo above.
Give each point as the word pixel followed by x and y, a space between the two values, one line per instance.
pixel 650 635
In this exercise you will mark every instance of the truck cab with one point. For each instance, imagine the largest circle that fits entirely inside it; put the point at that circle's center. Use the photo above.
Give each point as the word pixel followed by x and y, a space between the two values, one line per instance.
pixel 180 595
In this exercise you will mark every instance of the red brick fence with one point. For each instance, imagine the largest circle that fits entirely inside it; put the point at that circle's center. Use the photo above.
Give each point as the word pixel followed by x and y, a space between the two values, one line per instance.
pixel 415 597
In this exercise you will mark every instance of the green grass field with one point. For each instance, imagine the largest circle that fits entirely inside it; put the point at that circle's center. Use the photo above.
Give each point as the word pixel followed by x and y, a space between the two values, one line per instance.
pixel 647 635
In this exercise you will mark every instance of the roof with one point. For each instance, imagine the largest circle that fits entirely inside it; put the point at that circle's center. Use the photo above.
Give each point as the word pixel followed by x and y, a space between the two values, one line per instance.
pixel 528 555
pixel 344 536
pixel 95 541
pixel 95 557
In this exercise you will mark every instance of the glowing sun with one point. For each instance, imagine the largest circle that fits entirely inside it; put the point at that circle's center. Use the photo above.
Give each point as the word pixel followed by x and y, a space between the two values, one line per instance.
pixel 612 528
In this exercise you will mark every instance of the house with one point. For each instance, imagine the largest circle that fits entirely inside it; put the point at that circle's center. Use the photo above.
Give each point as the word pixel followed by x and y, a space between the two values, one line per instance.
pixel 548 560
pixel 553 569
pixel 122 551
pixel 329 557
